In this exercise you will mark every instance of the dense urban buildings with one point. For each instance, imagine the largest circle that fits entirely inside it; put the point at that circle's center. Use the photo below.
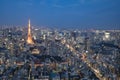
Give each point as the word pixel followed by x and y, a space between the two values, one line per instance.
pixel 32 53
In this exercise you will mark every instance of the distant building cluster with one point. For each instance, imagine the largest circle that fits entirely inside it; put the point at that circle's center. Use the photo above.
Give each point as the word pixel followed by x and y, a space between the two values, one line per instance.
pixel 49 54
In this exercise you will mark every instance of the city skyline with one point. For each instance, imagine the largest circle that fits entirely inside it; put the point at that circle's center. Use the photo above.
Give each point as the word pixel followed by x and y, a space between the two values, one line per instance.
pixel 59 40
pixel 94 14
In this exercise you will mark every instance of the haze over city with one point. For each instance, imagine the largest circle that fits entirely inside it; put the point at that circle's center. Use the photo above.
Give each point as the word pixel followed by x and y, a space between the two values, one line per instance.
pixel 82 14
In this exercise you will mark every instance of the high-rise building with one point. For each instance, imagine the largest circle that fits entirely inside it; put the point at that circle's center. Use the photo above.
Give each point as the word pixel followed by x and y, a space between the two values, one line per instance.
pixel 29 36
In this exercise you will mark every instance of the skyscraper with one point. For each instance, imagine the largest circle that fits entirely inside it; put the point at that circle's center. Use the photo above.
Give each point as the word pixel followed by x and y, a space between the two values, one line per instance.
pixel 29 36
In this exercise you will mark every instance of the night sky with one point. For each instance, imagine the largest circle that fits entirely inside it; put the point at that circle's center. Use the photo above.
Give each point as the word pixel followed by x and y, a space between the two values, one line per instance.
pixel 82 14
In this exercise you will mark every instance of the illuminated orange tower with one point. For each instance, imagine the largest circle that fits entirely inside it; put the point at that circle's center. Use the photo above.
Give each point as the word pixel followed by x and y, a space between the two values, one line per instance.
pixel 29 36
